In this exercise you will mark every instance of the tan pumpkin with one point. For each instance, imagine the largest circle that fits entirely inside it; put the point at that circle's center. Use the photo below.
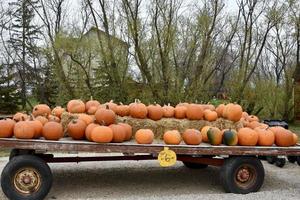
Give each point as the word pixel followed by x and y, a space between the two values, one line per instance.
pixel 20 117
pixel 89 130
pixel 76 129
pixel 122 110
pixel 172 137
pixel 168 111
pixel 128 130
pixel 102 134
pixel 283 137
pixel 42 119
pixel 194 112
pixel 220 110
pixel 38 128
pixel 204 133
pixel 76 106
pixel 155 112
pixel 138 110
pixel 41 110
pixel 144 136
pixel 192 137
pixel 265 137
pixel 91 103
pixel 88 119
pixel 53 131
pixel 105 116
pixel 210 115
pixel 53 118
pixel 23 130
pixel 6 128
pixel 234 112
pixel 180 112
pixel 57 111
pixel 247 137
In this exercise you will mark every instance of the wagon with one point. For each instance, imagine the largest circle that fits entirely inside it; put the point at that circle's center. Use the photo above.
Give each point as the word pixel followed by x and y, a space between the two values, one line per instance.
pixel 28 176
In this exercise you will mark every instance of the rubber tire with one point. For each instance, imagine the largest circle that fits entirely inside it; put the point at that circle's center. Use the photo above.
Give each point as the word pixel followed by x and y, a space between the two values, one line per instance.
pixel 192 165
pixel 271 159
pixel 280 162
pixel 13 153
pixel 26 161
pixel 228 170
pixel 298 160
pixel 292 159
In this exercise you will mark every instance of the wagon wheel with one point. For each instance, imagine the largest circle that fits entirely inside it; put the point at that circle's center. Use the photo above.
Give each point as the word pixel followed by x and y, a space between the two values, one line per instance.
pixel 242 175
pixel 26 177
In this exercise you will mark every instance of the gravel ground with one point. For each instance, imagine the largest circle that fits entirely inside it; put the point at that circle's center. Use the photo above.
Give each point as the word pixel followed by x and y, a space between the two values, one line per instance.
pixel 146 180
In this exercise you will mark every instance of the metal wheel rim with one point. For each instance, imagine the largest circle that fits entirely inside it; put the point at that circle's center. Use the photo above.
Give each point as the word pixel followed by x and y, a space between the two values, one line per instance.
pixel 27 181
pixel 245 176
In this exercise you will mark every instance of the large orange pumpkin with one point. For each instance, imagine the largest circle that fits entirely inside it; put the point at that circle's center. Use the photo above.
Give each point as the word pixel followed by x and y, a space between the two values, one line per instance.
pixel 76 106
pixel 210 115
pixel 265 137
pixel 102 134
pixel 86 118
pixel 172 137
pixel 89 130
pixel 220 109
pixel 194 112
pixel 91 103
pixel 128 130
pixel 180 112
pixel 204 133
pixel 41 109
pixel 38 128
pixel 76 129
pixel 20 117
pixel 225 110
pixel 247 137
pixel 119 132
pixel 214 136
pixel 144 136
pixel 168 111
pixel 155 112
pixel 234 112
pixel 42 119
pixel 23 130
pixel 192 137
pixel 105 116
pixel 57 111
pixel 53 131
pixel 283 137
pixel 138 110
pixel 123 110
pixel 6 128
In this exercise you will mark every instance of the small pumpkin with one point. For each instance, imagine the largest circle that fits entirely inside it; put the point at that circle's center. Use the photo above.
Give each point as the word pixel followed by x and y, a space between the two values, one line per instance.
pixel 204 133
pixel 119 132
pixel 42 119
pixel 53 131
pixel 38 127
pixel 138 110
pixel 253 124
pixel 180 112
pixel 76 129
pixel 210 115
pixel 265 137
pixel 6 128
pixel 76 106
pixel 172 137
pixel 91 103
pixel 230 137
pixel 57 111
pixel 252 118
pixel 168 111
pixel 111 105
pixel 220 109
pixel 122 110
pixel 89 130
pixel 23 130
pixel 155 112
pixel 105 116
pixel 192 137
pixel 20 117
pixel 41 110
pixel 247 137
pixel 92 110
pixel 88 119
pixel 144 136
pixel 128 130
pixel 214 136
pixel 194 112
pixel 102 134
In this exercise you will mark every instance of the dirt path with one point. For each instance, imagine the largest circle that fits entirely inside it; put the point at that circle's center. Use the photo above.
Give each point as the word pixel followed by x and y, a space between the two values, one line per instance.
pixel 146 180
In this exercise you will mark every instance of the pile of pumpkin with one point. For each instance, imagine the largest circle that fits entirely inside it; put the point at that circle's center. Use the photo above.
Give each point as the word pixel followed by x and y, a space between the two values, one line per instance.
pixel 97 122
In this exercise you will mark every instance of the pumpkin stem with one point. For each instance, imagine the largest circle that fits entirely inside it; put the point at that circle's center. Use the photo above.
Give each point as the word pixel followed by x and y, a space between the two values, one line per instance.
pixel 107 106
pixel 91 98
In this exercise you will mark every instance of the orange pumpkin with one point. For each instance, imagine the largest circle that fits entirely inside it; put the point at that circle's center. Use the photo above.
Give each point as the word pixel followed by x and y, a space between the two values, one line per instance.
pixel 41 110
pixel 119 132
pixel 234 112
pixel 42 119
pixel 245 115
pixel 208 107
pixel 128 130
pixel 20 117
pixel 76 106
pixel 144 136
pixel 111 105
pixel 105 116
pixel 247 137
pixel 252 118
pixel 204 133
pixel 123 110
pixel 295 138
pixel 102 134
pixel 192 137
pixel 210 115
pixel 53 118
pixel 225 110
pixel 23 130
pixel 57 111
pixel 194 112
pixel 76 129
pixel 38 128
pixel 265 137
pixel 86 118
pixel 220 109
pixel 214 136
pixel 180 112
pixel 168 111
pixel 53 131
pixel 6 128
pixel 283 137
pixel 92 110
pixel 155 112
pixel 138 110
pixel 89 130
pixel 172 137
pixel 253 124
pixel 91 103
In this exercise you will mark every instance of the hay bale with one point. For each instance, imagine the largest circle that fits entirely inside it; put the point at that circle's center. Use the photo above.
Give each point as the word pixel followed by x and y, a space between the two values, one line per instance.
pixel 65 119
pixel 161 126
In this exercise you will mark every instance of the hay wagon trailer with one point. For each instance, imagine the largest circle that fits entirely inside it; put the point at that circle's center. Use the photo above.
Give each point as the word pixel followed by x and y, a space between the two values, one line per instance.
pixel 27 175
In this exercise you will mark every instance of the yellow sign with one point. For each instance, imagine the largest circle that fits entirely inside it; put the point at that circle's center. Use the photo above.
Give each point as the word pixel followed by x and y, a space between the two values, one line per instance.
pixel 167 157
